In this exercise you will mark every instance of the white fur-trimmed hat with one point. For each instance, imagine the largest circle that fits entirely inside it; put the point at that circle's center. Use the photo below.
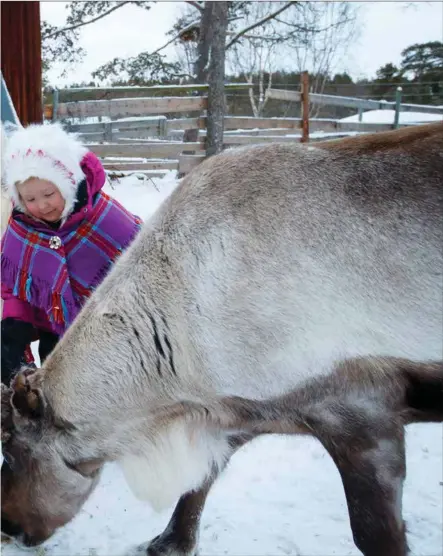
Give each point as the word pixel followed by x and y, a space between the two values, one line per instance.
pixel 47 152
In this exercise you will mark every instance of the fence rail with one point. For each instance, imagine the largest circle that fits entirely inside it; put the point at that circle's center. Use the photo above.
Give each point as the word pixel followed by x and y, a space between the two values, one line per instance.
pixel 155 149
pixel 154 88
pixel 315 124
pixel 160 127
pixel 124 165
pixel 351 102
pixel 124 107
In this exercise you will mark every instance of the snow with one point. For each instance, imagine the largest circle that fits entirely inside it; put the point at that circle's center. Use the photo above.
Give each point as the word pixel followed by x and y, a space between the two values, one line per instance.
pixel 279 495
pixel 142 197
pixel 387 117
pixel 140 119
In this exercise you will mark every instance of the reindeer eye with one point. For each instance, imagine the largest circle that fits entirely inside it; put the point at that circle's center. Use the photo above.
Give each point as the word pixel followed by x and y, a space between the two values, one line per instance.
pixel 69 465
pixel 8 460
pixel 86 468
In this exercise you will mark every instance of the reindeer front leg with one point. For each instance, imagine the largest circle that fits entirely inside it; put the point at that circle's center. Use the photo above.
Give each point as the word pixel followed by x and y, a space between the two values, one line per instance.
pixel 180 537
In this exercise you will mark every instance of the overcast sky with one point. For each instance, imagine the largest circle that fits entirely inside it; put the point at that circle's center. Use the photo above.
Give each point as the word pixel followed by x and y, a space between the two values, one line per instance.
pixel 387 28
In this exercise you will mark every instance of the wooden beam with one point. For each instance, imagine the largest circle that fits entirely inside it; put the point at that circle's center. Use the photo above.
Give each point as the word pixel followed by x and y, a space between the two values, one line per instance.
pixel 283 94
pixel 260 132
pixel 267 126
pixel 124 107
pixel 183 123
pixel 253 140
pixel 116 174
pixel 155 149
pixel 243 122
pixel 351 102
pixel 203 87
pixel 160 165
pixel 142 123
pixel 362 127
pixel 135 134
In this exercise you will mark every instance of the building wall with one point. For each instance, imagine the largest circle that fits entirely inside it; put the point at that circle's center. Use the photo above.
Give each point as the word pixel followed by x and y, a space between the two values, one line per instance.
pixel 21 62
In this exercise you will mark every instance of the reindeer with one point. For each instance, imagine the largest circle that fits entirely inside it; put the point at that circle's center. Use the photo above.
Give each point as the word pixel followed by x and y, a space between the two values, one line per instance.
pixel 285 289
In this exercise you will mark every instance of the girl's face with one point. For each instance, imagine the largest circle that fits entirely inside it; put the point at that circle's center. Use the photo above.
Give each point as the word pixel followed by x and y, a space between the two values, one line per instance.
pixel 42 199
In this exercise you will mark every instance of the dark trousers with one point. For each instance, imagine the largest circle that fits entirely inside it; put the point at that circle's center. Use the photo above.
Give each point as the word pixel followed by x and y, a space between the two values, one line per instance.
pixel 48 341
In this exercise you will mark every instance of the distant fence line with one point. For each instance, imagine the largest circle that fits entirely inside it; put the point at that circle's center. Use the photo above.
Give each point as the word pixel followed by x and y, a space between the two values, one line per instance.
pixel 163 128
pixel 137 134
pixel 351 102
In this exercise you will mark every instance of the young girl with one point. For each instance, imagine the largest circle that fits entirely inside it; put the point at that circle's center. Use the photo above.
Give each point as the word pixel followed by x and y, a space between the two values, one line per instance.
pixel 63 235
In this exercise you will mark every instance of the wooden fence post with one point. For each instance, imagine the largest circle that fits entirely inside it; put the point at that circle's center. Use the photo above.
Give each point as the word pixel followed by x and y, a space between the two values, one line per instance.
pixel 397 107
pixel 55 101
pixel 189 136
pixel 108 132
pixel 163 127
pixel 305 106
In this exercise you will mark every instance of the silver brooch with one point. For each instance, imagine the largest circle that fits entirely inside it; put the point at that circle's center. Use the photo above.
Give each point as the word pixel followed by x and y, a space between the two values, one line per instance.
pixel 55 242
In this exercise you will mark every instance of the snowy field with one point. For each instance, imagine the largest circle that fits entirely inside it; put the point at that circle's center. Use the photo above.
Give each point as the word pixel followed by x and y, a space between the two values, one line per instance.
pixel 279 495
pixel 387 117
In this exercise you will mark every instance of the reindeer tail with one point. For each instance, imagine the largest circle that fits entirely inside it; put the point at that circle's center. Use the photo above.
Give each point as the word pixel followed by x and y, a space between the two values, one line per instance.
pixel 423 391
pixel 412 390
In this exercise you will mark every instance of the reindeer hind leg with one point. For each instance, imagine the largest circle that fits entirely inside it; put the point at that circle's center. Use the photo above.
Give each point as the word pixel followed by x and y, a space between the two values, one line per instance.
pixel 371 462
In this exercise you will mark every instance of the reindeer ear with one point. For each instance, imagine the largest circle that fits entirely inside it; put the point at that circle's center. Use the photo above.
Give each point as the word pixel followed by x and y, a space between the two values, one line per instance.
pixel 27 398
pixel 6 413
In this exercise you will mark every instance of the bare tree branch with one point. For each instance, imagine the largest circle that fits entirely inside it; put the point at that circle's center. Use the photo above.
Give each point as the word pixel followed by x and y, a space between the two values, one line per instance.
pixel 83 23
pixel 197 23
pixel 190 26
pixel 260 22
pixel 256 37
pixel 195 5
pixel 178 35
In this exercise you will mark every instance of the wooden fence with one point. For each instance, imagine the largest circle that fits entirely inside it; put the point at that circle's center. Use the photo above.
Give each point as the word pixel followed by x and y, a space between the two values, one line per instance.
pixel 351 102
pixel 132 133
pixel 126 107
pixel 139 134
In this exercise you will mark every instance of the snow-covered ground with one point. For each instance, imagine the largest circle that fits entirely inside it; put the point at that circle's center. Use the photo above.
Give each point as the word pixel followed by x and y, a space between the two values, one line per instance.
pixel 142 196
pixel 387 117
pixel 279 495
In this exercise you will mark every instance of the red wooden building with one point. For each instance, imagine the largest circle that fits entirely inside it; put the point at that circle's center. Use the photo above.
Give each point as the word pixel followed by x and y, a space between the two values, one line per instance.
pixel 21 60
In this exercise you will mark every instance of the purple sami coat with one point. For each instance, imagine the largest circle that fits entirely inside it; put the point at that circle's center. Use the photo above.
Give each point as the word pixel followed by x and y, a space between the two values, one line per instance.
pixel 87 263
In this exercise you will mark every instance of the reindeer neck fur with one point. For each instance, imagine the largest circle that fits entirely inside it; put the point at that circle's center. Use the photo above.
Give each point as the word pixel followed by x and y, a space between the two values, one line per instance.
pixel 122 364
pixel 129 332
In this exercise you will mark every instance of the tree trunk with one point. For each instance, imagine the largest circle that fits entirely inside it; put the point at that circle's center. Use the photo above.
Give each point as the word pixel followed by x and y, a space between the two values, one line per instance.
pixel 216 78
pixel 204 44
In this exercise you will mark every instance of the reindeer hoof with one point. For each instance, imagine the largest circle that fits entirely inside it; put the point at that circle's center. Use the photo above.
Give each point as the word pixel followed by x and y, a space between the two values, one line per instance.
pixel 164 545
pixel 168 545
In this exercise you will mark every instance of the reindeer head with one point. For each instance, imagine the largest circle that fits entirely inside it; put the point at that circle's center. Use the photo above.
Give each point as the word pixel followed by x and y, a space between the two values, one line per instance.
pixel 41 488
